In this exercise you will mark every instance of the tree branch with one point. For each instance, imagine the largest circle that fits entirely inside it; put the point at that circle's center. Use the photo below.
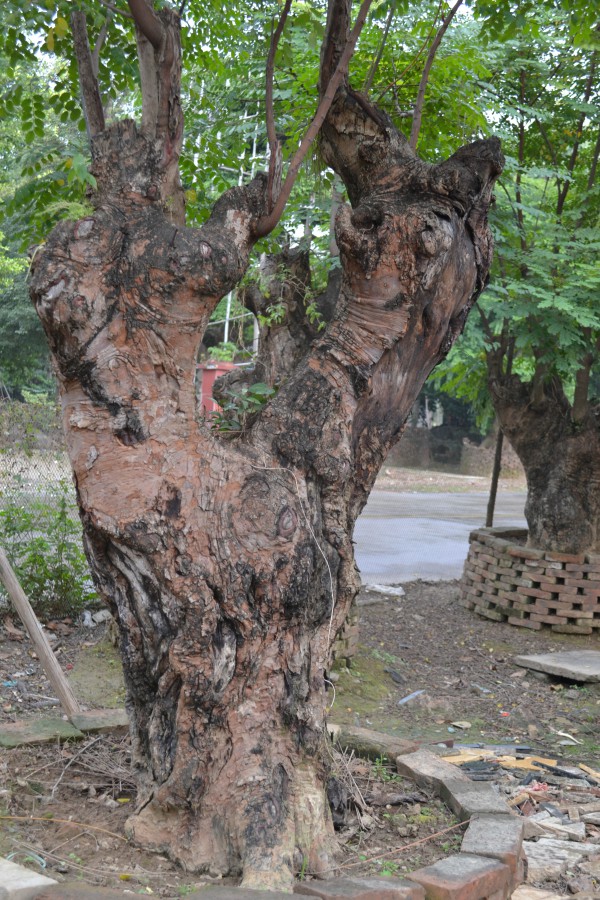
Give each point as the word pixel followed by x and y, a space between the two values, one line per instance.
pixel 575 150
pixel 116 9
pixel 580 407
pixel 90 92
pixel 414 60
pixel 420 101
pixel 591 181
pixel 375 64
pixel 268 223
pixel 492 338
pixel 274 146
pixel 99 44
pixel 147 21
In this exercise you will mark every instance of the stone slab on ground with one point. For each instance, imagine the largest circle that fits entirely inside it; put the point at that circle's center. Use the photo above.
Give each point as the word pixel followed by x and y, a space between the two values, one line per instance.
pixel 37 731
pixel 497 837
pixel 530 893
pixel 464 797
pixel 79 891
pixel 428 770
pixel 371 744
pixel 548 858
pixel 100 720
pixel 465 877
pixel 471 798
pixel 575 665
pixel 222 892
pixel 362 889
pixel 19 883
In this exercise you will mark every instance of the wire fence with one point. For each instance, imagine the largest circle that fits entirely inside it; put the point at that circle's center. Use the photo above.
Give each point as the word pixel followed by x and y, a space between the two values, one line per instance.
pixel 34 467
pixel 40 529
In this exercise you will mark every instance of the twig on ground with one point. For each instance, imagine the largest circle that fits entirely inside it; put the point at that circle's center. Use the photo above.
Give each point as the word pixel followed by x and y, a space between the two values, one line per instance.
pixel 72 760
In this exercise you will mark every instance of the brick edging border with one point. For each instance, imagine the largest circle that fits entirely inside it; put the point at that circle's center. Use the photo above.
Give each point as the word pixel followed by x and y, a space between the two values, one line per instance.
pixel 509 582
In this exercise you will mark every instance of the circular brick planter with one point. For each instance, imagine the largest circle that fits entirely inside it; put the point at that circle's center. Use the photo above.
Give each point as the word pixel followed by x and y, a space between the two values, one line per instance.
pixel 509 582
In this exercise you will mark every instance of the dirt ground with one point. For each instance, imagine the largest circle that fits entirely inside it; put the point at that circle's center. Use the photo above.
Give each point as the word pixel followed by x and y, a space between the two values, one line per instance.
pixel 393 478
pixel 63 806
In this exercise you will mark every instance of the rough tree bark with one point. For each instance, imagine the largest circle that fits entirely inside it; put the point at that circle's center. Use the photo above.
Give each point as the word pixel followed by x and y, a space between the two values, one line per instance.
pixel 558 444
pixel 228 564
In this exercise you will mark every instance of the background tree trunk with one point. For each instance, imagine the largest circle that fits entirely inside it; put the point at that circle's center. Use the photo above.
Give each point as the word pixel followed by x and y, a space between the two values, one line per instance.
pixel 228 564
pixel 561 458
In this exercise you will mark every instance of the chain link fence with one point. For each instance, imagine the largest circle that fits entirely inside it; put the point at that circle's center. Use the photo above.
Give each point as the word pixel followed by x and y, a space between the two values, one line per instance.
pixel 39 524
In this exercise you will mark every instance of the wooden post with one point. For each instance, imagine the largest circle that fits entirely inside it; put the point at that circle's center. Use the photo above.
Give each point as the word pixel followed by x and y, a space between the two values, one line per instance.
pixel 53 671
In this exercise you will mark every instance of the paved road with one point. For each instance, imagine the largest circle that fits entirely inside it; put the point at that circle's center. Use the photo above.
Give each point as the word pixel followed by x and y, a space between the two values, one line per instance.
pixel 404 536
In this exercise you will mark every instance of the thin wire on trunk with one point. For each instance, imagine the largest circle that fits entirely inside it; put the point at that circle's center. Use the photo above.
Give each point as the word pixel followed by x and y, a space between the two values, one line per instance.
pixel 312 533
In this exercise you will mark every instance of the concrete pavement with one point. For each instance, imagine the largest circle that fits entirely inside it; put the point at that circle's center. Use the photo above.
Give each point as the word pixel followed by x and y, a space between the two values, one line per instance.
pixel 407 536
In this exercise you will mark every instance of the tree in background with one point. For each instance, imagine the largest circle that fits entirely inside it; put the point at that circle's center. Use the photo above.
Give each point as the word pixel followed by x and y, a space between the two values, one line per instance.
pixel 228 561
pixel 540 319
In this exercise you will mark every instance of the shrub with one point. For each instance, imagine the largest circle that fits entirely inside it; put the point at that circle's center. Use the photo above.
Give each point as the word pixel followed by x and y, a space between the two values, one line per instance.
pixel 43 543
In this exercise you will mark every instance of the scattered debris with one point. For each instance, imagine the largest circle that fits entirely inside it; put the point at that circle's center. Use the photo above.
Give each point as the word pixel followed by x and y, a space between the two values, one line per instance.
pixel 386 589
pixel 410 697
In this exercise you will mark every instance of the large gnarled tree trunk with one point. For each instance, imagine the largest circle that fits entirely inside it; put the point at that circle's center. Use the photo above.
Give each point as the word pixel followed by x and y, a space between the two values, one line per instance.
pixel 228 564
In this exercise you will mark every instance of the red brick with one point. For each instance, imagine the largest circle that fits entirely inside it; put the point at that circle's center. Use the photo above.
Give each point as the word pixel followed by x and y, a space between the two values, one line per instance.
pixel 536 592
pixel 485 557
pixel 572 629
pixel 507 598
pixel 490 613
pixel 586 567
pixel 524 623
pixel 588 584
pixel 548 619
pixel 523 606
pixel 545 578
pixel 525 553
pixel 464 877
pixel 566 557
pixel 521 582
pixel 362 889
pixel 501 570
pixel 567 589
